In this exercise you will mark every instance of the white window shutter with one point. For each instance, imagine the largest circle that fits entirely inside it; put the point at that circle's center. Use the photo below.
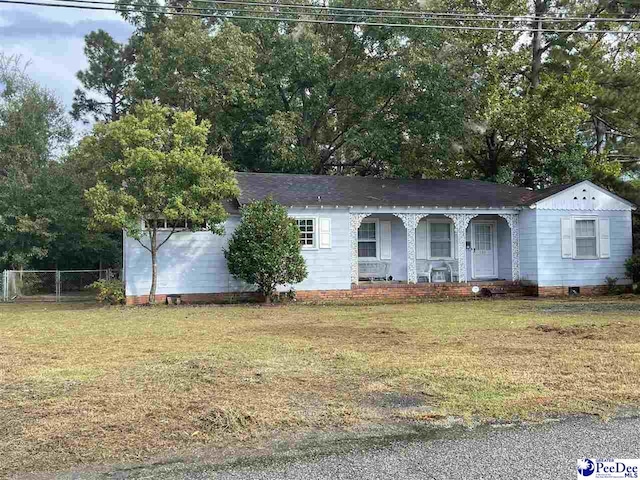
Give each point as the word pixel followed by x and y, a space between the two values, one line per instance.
pixel 567 237
pixel 421 241
pixel 324 230
pixel 605 241
pixel 385 240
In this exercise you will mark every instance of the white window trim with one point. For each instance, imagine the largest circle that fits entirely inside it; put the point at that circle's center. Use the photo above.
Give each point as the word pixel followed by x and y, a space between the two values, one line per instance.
pixel 315 232
pixel 575 237
pixel 448 222
pixel 377 257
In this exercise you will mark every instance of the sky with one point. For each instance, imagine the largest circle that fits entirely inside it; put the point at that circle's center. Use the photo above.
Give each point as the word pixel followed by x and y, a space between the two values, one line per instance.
pixel 52 41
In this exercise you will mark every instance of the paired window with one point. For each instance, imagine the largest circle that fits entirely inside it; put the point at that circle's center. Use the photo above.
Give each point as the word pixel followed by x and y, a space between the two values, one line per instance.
pixel 368 240
pixel 307 228
pixel 586 238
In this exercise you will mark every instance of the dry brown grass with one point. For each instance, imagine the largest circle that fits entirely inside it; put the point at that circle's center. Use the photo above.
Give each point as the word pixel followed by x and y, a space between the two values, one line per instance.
pixel 85 385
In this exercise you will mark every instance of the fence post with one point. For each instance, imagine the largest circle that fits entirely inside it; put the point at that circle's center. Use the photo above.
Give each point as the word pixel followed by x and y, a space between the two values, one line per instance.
pixel 57 286
pixel 5 286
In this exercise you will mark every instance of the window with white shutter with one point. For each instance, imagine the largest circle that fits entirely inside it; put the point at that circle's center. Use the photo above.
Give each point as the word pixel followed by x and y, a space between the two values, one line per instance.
pixel 325 232
pixel 566 225
pixel 605 242
pixel 585 238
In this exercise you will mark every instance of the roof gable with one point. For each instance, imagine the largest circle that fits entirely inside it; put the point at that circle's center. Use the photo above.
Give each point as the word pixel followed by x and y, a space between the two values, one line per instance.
pixel 583 195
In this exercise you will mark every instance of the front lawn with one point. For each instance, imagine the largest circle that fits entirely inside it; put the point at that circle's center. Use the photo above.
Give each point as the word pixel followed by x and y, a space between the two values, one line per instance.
pixel 89 385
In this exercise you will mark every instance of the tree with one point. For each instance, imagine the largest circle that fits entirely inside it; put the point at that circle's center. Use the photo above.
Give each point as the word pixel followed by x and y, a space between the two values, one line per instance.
pixel 33 132
pixel 298 98
pixel 108 75
pixel 33 126
pixel 156 170
pixel 264 250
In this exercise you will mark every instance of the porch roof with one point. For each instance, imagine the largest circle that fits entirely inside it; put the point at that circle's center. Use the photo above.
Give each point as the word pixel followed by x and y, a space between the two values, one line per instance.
pixel 333 190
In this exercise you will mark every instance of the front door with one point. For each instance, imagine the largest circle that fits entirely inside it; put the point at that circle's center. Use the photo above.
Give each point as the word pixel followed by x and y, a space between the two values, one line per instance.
pixel 484 250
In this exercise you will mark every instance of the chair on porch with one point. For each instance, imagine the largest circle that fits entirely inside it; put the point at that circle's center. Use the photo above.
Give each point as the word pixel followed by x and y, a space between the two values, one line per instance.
pixel 426 269
pixel 374 270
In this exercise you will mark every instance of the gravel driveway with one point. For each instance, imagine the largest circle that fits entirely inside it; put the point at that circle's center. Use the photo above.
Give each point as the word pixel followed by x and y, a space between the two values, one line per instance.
pixel 547 451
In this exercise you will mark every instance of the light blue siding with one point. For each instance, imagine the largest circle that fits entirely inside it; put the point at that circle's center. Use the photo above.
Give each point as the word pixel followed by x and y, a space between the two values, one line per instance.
pixel 194 262
pixel 529 246
pixel 187 263
pixel 553 270
pixel 330 268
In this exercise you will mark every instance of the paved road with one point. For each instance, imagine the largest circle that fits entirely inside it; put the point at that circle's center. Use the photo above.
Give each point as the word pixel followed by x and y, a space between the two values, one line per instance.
pixel 546 451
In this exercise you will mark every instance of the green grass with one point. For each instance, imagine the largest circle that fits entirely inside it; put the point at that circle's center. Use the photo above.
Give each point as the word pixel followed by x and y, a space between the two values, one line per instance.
pixel 86 384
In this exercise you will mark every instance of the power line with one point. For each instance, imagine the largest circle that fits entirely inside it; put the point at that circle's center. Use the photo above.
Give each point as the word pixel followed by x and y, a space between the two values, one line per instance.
pixel 254 11
pixel 526 17
pixel 117 8
pixel 422 16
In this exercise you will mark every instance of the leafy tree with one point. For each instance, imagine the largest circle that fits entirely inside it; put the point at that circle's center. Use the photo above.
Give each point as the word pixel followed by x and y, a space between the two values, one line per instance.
pixel 156 170
pixel 299 98
pixel 264 249
pixel 108 75
pixel 33 125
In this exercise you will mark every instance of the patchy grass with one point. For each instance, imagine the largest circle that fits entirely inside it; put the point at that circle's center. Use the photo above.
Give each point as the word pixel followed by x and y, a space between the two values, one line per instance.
pixel 87 384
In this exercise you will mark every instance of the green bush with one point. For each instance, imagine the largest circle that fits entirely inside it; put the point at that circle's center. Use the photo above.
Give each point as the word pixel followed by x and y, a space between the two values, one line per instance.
pixel 109 292
pixel 633 267
pixel 612 286
pixel 265 248
pixel 30 283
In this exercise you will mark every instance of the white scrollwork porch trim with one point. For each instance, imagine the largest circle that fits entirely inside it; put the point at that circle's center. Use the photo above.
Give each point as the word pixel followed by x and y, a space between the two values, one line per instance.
pixel 514 224
pixel 355 219
pixel 410 221
pixel 461 222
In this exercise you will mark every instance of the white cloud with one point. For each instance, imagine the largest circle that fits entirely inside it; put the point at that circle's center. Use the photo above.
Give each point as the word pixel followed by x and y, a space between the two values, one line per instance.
pixel 52 41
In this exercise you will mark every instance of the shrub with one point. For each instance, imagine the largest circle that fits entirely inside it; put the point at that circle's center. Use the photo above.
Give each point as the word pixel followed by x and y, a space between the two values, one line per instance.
pixel 265 248
pixel 633 267
pixel 109 292
pixel 612 286
pixel 30 283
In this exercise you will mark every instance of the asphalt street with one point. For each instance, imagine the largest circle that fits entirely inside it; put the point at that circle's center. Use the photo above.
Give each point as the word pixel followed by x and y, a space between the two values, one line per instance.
pixel 547 451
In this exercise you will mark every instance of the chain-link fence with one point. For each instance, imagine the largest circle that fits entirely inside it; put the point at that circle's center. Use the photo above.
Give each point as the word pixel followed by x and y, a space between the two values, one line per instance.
pixel 52 285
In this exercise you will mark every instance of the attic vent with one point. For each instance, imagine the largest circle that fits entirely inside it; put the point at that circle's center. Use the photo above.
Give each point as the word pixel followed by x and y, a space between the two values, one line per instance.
pixel 584 198
pixel 593 198
pixel 575 198
pixel 584 189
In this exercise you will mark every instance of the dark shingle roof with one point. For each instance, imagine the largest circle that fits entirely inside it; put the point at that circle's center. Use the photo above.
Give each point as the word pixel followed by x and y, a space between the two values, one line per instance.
pixel 303 190
pixel 533 196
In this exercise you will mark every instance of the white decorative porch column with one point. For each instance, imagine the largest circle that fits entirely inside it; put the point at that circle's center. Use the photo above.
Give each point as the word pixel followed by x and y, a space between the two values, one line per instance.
pixel 461 222
pixel 514 224
pixel 355 219
pixel 411 221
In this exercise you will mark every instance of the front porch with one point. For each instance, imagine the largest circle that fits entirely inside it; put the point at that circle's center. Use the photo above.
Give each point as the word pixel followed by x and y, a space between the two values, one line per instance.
pixel 434 246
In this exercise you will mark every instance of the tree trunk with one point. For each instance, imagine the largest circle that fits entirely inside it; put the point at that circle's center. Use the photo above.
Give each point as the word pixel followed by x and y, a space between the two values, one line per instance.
pixel 491 165
pixel 154 263
pixel 601 135
pixel 528 159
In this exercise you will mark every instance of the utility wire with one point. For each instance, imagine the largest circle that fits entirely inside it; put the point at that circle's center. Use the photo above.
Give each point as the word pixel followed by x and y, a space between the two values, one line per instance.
pixel 136 9
pixel 423 16
pixel 526 17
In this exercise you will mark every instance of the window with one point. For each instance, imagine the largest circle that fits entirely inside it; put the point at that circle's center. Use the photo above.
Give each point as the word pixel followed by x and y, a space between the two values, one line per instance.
pixel 586 238
pixel 440 239
pixel 368 240
pixel 177 225
pixel 307 228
